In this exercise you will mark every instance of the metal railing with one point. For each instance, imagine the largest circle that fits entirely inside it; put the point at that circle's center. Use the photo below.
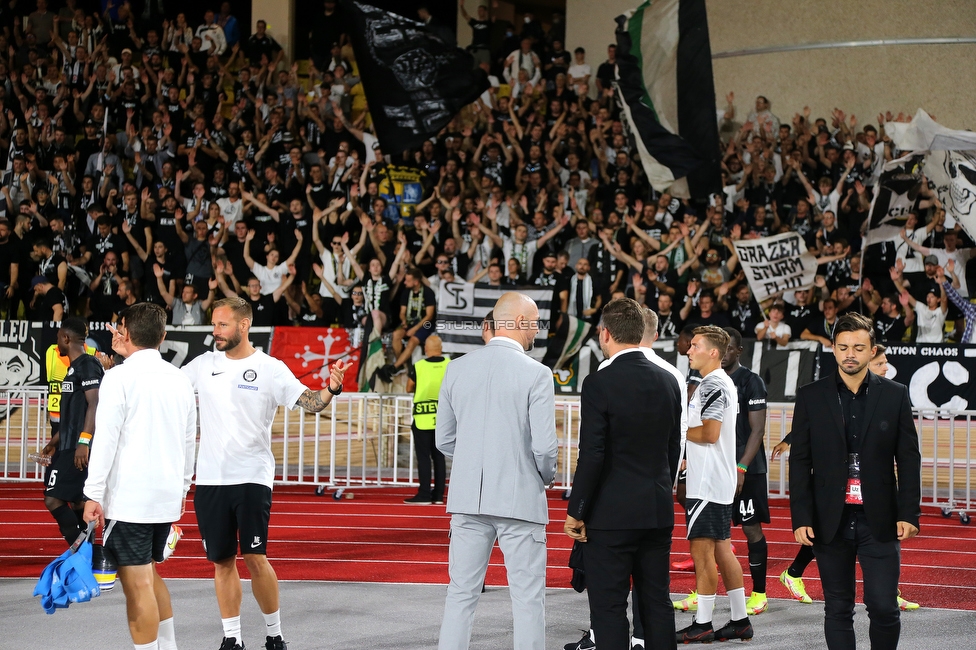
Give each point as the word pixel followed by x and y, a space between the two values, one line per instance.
pixel 25 429
pixel 364 439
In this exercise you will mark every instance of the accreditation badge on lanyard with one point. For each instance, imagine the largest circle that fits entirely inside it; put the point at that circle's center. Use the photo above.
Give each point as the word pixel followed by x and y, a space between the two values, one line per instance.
pixel 854 480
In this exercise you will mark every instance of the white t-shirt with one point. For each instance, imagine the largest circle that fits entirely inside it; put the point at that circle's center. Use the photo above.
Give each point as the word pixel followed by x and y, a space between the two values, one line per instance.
pixel 270 278
pixel 776 331
pixel 960 256
pixel 232 211
pixel 931 323
pixel 829 202
pixel 711 467
pixel 579 70
pixel 911 257
pixel 238 402
pixel 330 269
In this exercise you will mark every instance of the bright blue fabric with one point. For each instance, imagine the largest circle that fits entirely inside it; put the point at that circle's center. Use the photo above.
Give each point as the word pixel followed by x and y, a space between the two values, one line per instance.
pixel 68 579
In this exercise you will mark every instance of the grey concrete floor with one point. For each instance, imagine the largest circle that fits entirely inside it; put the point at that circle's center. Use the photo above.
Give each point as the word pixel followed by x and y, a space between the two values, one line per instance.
pixel 324 615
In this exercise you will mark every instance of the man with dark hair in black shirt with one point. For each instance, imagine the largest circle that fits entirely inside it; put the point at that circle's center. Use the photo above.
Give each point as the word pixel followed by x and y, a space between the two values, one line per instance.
pixel 480 47
pixel 260 44
pixel 9 267
pixel 49 303
pixel 417 306
pixel 68 449
pixel 263 306
pixel 889 324
pixel 798 314
pixel 607 71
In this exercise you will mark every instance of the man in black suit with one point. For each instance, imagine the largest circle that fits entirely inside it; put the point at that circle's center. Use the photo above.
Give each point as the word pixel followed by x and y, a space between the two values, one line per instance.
pixel 850 429
pixel 630 442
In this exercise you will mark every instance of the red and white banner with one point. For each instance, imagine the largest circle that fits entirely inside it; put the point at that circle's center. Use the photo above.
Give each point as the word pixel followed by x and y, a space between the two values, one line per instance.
pixel 309 352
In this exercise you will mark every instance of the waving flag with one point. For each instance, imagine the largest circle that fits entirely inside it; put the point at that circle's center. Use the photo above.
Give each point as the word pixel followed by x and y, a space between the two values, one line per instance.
pixel 415 83
pixel 664 79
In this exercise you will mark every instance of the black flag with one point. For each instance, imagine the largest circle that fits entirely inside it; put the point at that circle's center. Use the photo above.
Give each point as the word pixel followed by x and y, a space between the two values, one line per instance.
pixel 415 83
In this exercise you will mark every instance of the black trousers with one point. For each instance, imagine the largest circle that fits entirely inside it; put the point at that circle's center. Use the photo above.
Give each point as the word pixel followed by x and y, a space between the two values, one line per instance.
pixel 611 558
pixel 880 566
pixel 423 442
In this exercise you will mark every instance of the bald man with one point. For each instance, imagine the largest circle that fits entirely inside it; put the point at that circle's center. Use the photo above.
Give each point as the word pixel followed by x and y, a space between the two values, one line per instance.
pixel 425 383
pixel 496 419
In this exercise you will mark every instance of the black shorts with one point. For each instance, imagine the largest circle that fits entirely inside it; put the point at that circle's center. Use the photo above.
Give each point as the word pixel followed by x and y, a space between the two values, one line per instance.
pixel 223 511
pixel 708 520
pixel 63 480
pixel 135 544
pixel 752 505
pixel 424 333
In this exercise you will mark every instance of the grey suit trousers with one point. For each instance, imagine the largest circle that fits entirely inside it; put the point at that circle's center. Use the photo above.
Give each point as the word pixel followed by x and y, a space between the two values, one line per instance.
pixel 523 544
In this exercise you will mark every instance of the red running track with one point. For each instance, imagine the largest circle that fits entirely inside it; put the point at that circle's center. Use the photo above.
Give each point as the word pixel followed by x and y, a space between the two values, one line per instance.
pixel 376 538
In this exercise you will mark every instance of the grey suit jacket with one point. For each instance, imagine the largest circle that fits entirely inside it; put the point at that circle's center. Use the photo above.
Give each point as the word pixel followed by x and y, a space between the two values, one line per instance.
pixel 496 417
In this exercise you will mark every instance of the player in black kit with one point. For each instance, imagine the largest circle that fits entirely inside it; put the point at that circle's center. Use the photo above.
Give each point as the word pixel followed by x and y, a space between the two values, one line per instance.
pixel 68 449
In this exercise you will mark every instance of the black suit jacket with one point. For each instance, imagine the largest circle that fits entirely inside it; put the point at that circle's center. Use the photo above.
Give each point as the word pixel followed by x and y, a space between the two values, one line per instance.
pixel 630 442
pixel 818 459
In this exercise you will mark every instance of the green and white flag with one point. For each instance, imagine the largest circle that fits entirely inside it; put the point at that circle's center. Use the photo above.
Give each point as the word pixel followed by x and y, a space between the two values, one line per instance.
pixel 664 80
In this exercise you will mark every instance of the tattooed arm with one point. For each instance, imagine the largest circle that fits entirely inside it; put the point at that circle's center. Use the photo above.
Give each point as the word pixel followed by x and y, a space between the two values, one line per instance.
pixel 315 401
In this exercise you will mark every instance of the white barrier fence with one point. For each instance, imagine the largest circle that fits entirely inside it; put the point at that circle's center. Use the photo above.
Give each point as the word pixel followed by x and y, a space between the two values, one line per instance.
pixel 364 439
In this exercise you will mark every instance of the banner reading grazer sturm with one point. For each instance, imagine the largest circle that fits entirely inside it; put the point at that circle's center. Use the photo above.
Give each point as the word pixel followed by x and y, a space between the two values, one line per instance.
pixel 415 83
pixel 462 307
pixel 898 187
pixel 667 96
pixel 775 264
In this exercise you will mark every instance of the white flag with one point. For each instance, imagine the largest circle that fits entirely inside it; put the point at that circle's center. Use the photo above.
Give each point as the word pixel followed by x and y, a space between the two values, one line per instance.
pixel 897 191
pixel 954 176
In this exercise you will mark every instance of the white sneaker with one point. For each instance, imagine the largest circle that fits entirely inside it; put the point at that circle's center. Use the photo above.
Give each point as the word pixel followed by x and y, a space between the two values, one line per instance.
pixel 175 535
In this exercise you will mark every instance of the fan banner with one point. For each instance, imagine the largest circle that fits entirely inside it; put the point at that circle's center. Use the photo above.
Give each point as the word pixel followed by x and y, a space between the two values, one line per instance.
pixel 775 264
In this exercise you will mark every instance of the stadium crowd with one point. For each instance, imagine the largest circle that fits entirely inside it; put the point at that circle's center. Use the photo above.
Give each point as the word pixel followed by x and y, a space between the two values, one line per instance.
pixel 150 159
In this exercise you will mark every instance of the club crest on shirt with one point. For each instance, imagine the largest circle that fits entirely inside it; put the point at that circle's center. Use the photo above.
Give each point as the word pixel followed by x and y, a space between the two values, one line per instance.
pixel 250 376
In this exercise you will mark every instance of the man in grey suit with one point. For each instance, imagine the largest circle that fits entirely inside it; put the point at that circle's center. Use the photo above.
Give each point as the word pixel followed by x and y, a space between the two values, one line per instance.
pixel 496 418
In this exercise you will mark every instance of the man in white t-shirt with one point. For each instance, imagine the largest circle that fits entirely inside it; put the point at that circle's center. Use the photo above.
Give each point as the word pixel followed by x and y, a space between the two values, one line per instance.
pixel 240 390
pixel 520 248
pixel 579 73
pixel 930 316
pixel 711 487
pixel 231 206
pixel 272 274
pixel 775 328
